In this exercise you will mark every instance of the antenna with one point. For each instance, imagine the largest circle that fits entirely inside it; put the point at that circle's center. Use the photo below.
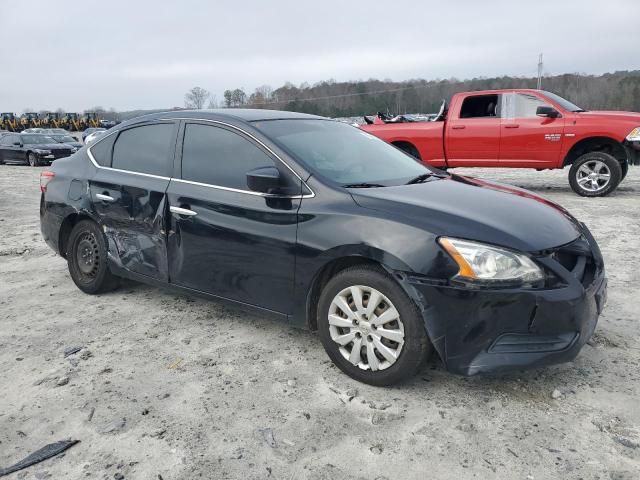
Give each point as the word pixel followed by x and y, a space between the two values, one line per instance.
pixel 540 64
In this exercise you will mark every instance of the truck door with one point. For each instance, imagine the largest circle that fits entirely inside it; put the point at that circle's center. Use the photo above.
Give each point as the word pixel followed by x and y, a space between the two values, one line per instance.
pixel 528 140
pixel 472 136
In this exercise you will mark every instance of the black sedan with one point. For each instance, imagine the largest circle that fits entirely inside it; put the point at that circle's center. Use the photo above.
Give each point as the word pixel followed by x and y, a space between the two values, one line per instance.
pixel 32 148
pixel 326 227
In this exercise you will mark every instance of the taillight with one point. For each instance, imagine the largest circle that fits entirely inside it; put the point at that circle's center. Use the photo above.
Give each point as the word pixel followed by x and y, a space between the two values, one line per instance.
pixel 45 177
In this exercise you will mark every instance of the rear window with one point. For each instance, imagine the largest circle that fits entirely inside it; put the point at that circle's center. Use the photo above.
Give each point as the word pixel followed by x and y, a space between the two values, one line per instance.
pixel 479 106
pixel 145 149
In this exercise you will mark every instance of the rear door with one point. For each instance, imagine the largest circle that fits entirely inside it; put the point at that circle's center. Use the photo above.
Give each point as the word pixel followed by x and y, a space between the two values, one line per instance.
pixel 472 136
pixel 526 139
pixel 128 193
pixel 225 239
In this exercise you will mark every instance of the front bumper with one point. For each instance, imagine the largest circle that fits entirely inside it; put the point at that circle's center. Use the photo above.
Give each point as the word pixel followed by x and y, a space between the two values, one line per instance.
pixel 492 330
pixel 633 151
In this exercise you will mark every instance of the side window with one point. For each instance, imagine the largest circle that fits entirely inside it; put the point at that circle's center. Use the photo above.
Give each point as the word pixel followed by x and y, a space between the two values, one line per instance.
pixel 102 150
pixel 145 149
pixel 478 106
pixel 526 105
pixel 219 157
pixel 521 105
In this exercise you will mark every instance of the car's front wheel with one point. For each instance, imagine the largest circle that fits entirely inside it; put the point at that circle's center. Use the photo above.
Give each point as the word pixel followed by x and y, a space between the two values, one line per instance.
pixel 370 328
pixel 33 160
pixel 87 259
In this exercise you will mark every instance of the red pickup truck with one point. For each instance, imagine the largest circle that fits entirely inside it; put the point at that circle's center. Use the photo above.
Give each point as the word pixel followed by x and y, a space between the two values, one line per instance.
pixel 523 129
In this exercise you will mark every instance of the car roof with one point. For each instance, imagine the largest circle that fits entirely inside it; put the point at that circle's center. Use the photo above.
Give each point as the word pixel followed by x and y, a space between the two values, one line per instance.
pixel 243 114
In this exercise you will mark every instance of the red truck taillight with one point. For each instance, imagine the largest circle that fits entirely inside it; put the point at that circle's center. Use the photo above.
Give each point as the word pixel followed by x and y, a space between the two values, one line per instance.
pixel 45 178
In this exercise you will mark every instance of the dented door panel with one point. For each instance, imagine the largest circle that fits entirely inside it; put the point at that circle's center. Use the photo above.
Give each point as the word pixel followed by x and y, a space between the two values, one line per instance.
pixel 132 209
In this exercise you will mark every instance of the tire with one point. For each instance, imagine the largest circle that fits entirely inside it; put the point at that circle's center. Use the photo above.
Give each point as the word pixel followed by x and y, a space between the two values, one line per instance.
pixel 87 259
pixel 410 149
pixel 585 175
pixel 33 160
pixel 625 169
pixel 408 351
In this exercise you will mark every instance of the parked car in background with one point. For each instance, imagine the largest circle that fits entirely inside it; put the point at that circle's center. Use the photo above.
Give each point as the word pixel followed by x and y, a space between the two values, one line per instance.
pixel 41 131
pixel 94 136
pixel 66 139
pixel 523 128
pixel 32 148
pixel 4 132
pixel 325 226
pixel 89 131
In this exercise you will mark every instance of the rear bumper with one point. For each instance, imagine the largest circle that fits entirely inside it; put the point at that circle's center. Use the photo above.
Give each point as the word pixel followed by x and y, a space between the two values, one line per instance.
pixel 49 225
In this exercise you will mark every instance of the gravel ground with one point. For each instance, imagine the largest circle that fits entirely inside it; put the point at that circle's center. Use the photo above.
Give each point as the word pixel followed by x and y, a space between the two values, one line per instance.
pixel 171 387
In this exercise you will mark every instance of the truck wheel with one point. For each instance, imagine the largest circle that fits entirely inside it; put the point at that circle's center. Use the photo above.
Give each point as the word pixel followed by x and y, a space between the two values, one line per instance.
pixel 370 328
pixel 595 174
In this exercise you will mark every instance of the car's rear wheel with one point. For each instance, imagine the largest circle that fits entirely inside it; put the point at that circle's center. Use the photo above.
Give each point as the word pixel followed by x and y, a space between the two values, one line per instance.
pixel 87 259
pixel 370 328
pixel 595 174
pixel 33 160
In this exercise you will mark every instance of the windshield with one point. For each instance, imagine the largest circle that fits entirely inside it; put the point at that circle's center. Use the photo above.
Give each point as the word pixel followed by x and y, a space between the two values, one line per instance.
pixel 564 103
pixel 33 139
pixel 342 153
pixel 63 138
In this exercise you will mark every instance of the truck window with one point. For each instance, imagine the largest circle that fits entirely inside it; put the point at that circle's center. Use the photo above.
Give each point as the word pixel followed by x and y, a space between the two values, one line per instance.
pixel 480 106
pixel 521 105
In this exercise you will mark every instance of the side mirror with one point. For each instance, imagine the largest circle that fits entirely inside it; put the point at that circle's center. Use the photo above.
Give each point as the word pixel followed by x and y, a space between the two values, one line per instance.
pixel 547 112
pixel 264 180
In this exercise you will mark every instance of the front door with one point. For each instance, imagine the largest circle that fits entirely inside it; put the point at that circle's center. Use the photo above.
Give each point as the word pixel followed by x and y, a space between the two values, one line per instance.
pixel 128 193
pixel 526 139
pixel 225 239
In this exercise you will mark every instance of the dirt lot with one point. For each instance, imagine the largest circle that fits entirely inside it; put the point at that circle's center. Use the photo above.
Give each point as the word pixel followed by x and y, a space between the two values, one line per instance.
pixel 170 387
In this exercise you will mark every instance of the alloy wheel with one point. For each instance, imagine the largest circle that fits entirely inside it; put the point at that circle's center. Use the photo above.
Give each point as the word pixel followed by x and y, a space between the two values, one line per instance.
pixel 593 176
pixel 367 327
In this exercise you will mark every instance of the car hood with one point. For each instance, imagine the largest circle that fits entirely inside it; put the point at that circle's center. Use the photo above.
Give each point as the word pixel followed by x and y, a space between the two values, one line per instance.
pixel 475 209
pixel 612 115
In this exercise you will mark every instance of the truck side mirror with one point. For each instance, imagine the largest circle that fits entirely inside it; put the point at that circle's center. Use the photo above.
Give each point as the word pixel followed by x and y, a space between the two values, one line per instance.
pixel 547 112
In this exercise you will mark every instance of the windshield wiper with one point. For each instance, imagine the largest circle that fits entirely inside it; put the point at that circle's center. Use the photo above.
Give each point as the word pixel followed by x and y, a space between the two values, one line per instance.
pixel 363 185
pixel 424 177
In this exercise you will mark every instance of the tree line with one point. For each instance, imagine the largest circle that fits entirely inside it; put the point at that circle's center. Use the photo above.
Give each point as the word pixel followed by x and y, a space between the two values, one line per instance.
pixel 616 91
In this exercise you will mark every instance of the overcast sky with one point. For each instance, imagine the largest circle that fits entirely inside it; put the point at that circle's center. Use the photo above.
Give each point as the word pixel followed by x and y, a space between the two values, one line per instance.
pixel 147 53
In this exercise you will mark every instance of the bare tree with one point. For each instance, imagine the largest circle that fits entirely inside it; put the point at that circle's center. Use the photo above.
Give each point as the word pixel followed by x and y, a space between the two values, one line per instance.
pixel 213 102
pixel 196 98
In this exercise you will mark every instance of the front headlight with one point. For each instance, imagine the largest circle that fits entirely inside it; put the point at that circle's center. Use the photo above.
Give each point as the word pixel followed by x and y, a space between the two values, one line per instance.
pixel 634 136
pixel 42 152
pixel 485 263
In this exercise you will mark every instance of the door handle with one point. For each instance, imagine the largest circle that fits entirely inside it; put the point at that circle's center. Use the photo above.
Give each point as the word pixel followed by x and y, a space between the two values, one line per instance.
pixel 104 198
pixel 458 127
pixel 514 125
pixel 182 211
